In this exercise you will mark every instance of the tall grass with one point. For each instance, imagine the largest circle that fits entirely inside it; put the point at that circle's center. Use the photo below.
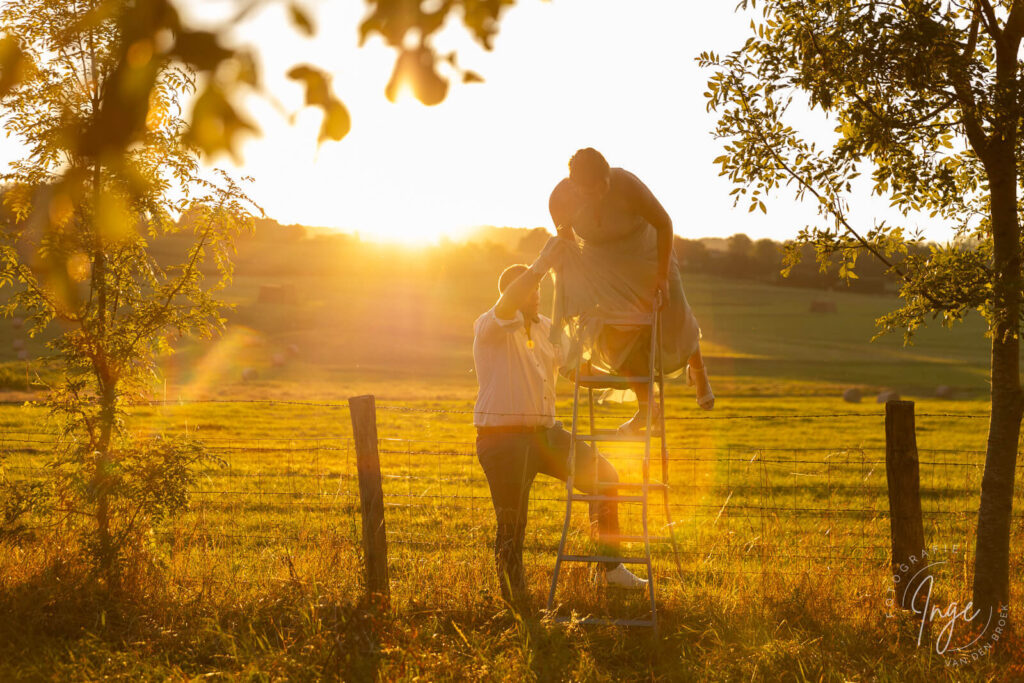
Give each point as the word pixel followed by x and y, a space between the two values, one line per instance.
pixel 783 557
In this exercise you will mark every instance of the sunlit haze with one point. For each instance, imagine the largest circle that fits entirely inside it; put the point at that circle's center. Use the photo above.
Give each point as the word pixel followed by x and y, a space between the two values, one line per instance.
pixel 619 76
pixel 563 75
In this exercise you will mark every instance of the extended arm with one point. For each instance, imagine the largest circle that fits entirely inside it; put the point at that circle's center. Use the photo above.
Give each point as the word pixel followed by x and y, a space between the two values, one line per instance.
pixel 559 206
pixel 647 205
pixel 518 292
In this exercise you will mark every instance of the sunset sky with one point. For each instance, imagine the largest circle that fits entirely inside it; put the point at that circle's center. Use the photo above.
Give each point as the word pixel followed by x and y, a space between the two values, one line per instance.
pixel 618 75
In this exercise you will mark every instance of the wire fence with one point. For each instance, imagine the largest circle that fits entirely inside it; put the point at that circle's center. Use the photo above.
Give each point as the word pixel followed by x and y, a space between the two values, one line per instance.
pixel 730 511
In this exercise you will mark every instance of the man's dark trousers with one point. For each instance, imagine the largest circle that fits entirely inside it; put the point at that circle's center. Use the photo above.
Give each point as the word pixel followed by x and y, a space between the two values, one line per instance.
pixel 511 459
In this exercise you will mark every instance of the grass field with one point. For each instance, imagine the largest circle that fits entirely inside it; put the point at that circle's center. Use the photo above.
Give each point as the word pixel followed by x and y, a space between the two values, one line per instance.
pixel 778 498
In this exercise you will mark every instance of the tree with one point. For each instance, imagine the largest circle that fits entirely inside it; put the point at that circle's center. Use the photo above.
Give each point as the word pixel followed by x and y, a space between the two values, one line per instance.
pixel 692 254
pixel 926 98
pixel 78 253
pixel 739 248
pixel 767 258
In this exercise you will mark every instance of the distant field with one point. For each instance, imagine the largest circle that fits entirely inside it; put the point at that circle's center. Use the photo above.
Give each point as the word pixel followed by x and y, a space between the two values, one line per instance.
pixel 777 521
pixel 417 328
pixel 779 496
pixel 413 323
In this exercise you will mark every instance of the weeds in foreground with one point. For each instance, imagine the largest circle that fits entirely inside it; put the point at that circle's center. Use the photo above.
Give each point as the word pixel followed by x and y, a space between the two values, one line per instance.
pixel 60 623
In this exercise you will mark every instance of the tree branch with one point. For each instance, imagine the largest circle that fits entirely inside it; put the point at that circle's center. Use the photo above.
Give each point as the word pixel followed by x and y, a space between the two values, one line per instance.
pixel 182 279
pixel 972 37
pixel 968 106
pixel 887 120
pixel 991 23
pixel 833 209
pixel 836 212
pixel 1014 30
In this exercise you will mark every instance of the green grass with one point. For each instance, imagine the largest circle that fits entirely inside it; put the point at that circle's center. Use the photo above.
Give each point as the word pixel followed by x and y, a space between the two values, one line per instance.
pixel 779 502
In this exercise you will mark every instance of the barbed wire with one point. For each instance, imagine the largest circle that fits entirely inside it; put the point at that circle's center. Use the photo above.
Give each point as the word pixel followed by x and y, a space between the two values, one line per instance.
pixel 764 530
pixel 450 411
pixel 468 447
pixel 699 418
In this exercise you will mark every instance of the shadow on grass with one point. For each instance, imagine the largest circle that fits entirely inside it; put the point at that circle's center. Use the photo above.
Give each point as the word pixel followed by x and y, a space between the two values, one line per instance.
pixel 56 627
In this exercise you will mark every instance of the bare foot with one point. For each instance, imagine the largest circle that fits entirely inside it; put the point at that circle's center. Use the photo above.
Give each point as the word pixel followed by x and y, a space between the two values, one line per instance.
pixel 699 377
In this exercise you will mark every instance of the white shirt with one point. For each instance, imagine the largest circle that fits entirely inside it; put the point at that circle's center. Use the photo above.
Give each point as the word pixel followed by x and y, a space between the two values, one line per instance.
pixel 516 378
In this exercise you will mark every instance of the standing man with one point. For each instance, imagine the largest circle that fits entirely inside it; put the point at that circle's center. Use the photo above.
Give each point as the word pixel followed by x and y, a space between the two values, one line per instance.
pixel 517 435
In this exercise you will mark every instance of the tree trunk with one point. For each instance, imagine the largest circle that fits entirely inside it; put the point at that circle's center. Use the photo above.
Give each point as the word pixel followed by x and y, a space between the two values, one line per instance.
pixel 992 556
pixel 107 555
pixel 106 552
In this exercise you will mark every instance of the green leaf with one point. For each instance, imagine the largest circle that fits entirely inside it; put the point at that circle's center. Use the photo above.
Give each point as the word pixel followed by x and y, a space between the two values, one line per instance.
pixel 13 64
pixel 201 49
pixel 416 69
pixel 216 125
pixel 301 19
pixel 315 82
pixel 337 122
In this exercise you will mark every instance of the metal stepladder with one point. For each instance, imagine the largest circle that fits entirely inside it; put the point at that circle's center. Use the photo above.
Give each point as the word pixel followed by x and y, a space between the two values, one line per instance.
pixel 612 491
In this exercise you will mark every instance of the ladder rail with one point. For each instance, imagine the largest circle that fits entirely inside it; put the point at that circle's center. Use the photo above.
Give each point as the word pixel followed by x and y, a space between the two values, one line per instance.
pixel 652 358
pixel 568 485
pixel 654 374
pixel 669 523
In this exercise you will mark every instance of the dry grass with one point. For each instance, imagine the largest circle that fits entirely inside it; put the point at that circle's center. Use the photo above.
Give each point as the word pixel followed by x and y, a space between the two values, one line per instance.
pixel 781 522
pixel 783 558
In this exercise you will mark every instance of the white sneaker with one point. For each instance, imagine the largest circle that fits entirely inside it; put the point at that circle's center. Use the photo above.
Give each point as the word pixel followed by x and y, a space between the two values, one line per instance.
pixel 623 578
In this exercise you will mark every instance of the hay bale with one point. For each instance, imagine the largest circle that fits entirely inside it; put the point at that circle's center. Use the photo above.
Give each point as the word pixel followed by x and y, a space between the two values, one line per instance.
pixel 278 294
pixel 23 355
pixel 293 350
pixel 278 359
pixel 17 323
pixel 18 344
pixel 886 395
pixel 944 391
pixel 249 374
pixel 852 395
pixel 824 307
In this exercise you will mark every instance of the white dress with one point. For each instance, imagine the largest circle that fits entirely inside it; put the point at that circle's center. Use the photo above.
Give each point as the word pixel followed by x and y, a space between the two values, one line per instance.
pixel 605 287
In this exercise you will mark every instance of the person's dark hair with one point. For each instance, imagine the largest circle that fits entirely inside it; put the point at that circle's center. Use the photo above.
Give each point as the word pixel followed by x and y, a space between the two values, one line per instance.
pixel 588 167
pixel 509 275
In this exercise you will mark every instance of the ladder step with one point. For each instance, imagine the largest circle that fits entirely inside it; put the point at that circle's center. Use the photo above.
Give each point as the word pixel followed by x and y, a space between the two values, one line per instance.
pixel 604 498
pixel 603 558
pixel 605 380
pixel 605 621
pixel 619 538
pixel 633 485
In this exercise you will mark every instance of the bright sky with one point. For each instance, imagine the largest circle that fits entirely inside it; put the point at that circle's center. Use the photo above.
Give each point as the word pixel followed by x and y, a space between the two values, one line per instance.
pixel 618 75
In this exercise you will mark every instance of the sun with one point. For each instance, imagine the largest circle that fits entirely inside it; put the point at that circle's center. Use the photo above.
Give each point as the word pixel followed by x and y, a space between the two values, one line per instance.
pixel 406 173
pixel 394 179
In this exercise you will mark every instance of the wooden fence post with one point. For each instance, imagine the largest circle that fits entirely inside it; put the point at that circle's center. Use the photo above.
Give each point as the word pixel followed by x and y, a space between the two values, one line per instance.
pixel 909 555
pixel 371 496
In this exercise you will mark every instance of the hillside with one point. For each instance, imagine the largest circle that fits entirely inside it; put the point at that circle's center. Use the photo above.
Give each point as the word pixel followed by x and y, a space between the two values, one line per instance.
pixel 335 312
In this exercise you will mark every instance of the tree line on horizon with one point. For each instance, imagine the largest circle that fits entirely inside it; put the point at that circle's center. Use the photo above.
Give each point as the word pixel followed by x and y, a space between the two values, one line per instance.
pixel 328 251
pixel 489 247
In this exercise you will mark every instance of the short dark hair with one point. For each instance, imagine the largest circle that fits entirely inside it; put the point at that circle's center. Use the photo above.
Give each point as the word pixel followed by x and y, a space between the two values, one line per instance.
pixel 588 167
pixel 509 275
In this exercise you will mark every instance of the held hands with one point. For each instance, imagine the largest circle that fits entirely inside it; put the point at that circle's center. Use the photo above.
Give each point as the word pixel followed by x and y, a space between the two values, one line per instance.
pixel 550 256
pixel 566 234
